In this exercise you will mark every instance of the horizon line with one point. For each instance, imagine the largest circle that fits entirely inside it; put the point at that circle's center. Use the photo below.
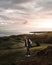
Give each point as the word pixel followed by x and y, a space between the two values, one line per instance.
pixel 41 32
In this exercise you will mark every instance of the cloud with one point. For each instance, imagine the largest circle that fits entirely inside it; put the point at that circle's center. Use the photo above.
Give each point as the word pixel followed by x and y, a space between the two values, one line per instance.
pixel 11 3
pixel 18 16
pixel 47 4
pixel 4 17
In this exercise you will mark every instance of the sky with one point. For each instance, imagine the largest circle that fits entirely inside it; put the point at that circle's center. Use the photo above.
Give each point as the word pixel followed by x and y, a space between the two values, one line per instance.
pixel 24 16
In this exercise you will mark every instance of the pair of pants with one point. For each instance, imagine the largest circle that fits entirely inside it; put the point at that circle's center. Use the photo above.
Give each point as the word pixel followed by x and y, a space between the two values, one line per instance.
pixel 27 51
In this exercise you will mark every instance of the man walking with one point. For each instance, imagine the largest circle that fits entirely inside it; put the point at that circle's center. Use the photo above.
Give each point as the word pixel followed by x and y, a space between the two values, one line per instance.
pixel 28 43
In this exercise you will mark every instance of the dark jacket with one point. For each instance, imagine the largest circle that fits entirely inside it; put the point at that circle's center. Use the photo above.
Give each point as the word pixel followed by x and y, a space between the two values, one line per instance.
pixel 28 43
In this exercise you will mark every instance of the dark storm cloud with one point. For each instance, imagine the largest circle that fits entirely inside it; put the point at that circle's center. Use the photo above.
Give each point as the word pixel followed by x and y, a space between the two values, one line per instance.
pixel 4 17
pixel 47 4
pixel 11 3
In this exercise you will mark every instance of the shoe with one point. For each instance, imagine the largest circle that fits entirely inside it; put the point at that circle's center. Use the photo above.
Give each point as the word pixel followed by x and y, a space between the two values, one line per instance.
pixel 28 55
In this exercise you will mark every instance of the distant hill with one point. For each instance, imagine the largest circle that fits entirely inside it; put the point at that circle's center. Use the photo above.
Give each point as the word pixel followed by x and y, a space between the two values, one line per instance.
pixel 9 41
